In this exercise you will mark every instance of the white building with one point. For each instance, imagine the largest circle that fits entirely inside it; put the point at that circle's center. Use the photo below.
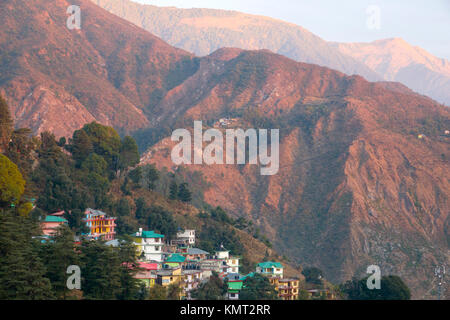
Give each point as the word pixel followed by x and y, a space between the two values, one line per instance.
pixel 269 268
pixel 149 245
pixel 222 254
pixel 187 237
pixel 230 263
pixel 233 264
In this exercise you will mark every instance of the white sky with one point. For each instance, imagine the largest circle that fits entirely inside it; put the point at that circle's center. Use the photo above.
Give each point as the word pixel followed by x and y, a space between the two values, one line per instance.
pixel 425 23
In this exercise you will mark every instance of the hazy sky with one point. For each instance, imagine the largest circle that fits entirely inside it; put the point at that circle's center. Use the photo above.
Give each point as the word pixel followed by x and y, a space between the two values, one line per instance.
pixel 425 23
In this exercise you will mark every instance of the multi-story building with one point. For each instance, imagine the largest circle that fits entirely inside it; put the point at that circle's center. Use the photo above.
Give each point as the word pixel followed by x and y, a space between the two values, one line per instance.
pixel 208 266
pixel 149 245
pixel 194 254
pixel 169 277
pixel 271 269
pixel 234 288
pixel 191 279
pixel 51 224
pixel 174 261
pixel 100 225
pixel 230 264
pixel 287 288
pixel 147 273
pixel 184 238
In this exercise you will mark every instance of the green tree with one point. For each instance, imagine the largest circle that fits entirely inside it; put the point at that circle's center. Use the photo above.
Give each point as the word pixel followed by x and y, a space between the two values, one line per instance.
pixel 76 223
pixel 214 289
pixel 184 194
pixel 105 142
pixel 100 271
pixel 152 176
pixel 22 273
pixel 6 125
pixel 313 275
pixel 20 151
pixel 174 291
pixel 81 146
pixel 59 254
pixel 129 154
pixel 128 268
pixel 140 208
pixel 258 288
pixel 123 207
pixel 157 292
pixel 136 175
pixel 392 288
pixel 303 295
pixel 173 191
pixel 158 218
pixel 12 184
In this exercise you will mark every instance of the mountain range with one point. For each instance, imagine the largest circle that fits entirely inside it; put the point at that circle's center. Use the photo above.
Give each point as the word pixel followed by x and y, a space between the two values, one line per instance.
pixel 364 171
pixel 203 31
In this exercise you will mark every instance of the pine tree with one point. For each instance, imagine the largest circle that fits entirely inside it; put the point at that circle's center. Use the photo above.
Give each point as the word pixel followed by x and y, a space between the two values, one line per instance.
pixel 12 184
pixel 129 154
pixel 184 194
pixel 157 292
pixel 58 255
pixel 258 288
pixel 129 267
pixel 174 291
pixel 214 289
pixel 22 273
pixel 6 125
pixel 173 195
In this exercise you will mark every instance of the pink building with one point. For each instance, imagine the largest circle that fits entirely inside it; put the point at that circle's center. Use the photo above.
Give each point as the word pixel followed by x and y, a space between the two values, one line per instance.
pixel 51 223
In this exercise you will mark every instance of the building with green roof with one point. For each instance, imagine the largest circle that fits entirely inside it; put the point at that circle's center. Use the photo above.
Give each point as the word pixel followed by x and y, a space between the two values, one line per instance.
pixel 175 260
pixel 51 224
pixel 274 269
pixel 55 219
pixel 234 288
pixel 149 245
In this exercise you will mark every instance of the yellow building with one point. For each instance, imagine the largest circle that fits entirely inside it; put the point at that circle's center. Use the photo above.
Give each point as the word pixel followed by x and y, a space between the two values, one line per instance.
pixel 169 277
pixel 287 288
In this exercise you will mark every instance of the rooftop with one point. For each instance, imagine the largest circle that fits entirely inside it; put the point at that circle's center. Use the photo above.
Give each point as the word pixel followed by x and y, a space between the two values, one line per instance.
pixel 270 264
pixel 55 219
pixel 196 251
pixel 235 285
pixel 148 266
pixel 147 234
pixel 176 258
pixel 252 274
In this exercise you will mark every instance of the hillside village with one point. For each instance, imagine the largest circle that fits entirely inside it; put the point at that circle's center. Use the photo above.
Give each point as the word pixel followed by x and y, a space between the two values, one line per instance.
pixel 178 261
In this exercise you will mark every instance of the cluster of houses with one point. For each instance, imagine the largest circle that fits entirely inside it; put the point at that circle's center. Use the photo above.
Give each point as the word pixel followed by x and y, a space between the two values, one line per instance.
pixel 178 261
pixel 99 225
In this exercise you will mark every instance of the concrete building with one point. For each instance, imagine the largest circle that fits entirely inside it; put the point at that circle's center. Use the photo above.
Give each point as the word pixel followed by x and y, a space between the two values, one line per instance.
pixel 100 225
pixel 51 224
pixel 147 274
pixel 149 245
pixel 185 238
pixel 287 288
pixel 271 269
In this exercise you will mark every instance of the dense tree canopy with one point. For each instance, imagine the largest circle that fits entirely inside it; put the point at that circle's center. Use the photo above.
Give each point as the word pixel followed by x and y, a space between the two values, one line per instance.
pixel 6 125
pixel 392 288
pixel 258 287
pixel 213 289
pixel 12 184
